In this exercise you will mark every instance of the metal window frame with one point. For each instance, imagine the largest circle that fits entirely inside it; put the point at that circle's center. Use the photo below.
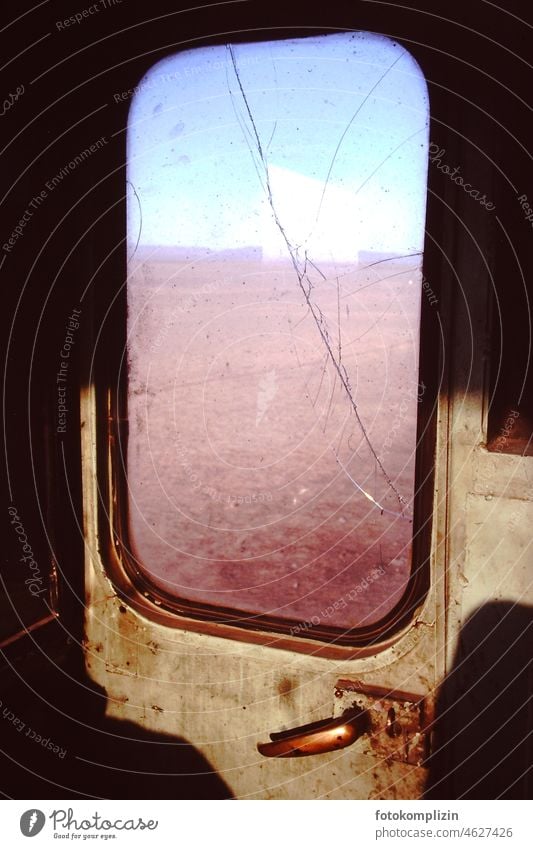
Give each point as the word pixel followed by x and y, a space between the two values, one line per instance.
pixel 104 409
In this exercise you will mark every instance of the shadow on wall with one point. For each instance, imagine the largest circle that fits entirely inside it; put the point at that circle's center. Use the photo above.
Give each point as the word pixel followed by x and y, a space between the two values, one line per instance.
pixel 483 742
pixel 60 744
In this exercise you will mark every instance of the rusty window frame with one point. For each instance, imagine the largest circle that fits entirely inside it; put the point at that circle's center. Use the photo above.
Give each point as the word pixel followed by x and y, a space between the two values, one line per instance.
pixel 134 588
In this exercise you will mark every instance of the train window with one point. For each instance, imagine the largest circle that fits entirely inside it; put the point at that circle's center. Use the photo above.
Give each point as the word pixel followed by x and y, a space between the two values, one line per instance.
pixel 276 216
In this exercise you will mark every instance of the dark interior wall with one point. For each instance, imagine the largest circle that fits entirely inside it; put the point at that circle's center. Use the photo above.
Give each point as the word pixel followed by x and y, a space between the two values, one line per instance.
pixel 71 252
pixel 73 243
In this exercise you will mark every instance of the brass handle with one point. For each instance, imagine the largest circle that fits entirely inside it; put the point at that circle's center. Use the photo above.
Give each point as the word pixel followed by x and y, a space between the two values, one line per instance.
pixel 317 738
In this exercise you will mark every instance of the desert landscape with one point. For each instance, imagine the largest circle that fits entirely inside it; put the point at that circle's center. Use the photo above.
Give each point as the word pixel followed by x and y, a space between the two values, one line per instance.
pixel 256 480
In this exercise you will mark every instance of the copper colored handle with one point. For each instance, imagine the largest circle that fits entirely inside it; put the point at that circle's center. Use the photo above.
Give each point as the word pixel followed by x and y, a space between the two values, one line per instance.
pixel 325 736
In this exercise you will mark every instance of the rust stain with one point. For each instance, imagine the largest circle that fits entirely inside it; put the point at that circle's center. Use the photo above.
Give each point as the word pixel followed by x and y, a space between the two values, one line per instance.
pixel 285 687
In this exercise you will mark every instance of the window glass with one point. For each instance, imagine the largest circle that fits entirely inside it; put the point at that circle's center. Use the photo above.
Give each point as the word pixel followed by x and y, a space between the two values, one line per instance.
pixel 276 202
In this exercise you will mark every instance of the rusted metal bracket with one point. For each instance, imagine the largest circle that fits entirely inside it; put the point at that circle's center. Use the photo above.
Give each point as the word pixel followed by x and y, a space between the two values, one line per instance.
pixel 399 722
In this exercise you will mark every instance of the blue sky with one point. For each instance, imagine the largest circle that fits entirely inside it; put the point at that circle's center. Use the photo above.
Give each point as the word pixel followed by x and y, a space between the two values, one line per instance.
pixel 348 109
